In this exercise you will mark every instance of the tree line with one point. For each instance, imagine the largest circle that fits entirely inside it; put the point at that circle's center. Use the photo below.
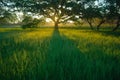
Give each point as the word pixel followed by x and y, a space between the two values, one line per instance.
pixel 61 11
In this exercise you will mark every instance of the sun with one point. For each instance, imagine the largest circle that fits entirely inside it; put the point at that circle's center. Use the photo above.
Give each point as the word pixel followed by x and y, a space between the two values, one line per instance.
pixel 56 18
pixel 48 20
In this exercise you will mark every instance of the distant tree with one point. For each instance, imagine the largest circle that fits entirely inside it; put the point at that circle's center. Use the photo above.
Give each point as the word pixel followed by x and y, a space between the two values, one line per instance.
pixel 114 11
pixel 91 12
pixel 27 19
pixel 8 17
pixel 89 15
pixel 1 12
pixel 30 22
pixel 85 9
pixel 6 14
pixel 101 14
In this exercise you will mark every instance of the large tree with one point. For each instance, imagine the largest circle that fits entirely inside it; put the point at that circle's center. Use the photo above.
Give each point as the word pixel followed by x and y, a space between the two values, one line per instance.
pixel 59 11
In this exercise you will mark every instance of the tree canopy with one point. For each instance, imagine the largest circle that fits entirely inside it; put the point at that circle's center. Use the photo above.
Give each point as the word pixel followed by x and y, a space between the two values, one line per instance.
pixel 61 11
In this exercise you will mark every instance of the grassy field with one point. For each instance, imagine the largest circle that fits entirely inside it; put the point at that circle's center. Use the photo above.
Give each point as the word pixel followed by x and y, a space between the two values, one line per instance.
pixel 64 54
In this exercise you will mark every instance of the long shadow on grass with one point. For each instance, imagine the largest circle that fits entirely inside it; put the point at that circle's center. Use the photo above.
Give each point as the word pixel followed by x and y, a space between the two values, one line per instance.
pixel 57 59
pixel 54 59
pixel 64 60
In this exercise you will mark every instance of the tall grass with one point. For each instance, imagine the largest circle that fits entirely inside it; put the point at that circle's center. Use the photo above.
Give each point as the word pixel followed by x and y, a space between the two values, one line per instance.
pixel 64 54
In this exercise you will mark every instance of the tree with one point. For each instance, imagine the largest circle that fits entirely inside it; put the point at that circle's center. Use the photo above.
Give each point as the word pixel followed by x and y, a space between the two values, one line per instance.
pixel 86 11
pixel 8 17
pixel 59 11
pixel 27 19
pixel 114 11
pixel 91 12
pixel 30 22
pixel 88 16
pixel 6 14
pixel 99 13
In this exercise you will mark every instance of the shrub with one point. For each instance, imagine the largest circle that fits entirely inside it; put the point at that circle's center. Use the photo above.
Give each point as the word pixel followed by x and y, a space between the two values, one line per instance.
pixel 33 24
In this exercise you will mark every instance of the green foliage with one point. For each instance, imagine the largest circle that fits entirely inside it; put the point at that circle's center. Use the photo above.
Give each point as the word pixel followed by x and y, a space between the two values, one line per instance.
pixel 61 11
pixel 47 54
pixel 29 25
pixel 30 22
pixel 8 17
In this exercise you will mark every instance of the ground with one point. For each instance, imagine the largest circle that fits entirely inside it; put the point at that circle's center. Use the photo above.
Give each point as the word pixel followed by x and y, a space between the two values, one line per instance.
pixel 64 54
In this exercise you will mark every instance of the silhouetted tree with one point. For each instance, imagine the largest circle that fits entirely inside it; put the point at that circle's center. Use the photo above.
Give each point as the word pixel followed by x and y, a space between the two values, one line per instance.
pixel 86 11
pixel 114 11
pixel 30 22
pixel 59 11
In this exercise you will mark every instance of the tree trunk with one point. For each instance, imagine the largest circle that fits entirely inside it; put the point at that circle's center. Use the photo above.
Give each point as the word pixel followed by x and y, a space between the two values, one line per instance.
pixel 56 25
pixel 90 25
pixel 98 26
pixel 117 24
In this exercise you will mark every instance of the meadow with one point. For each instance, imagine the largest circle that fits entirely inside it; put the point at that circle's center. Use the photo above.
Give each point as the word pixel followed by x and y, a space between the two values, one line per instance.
pixel 64 54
